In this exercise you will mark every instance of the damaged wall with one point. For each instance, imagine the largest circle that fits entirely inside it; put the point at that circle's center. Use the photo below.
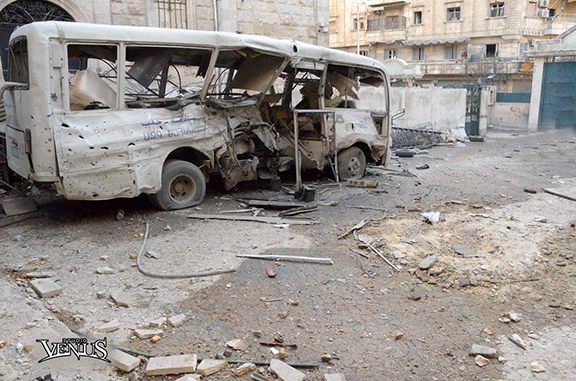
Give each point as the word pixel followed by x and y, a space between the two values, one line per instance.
pixel 444 108
pixel 302 20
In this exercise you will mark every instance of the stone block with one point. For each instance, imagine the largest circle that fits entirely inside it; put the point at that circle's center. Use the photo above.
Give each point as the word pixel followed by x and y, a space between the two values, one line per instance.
pixel 160 366
pixel 46 288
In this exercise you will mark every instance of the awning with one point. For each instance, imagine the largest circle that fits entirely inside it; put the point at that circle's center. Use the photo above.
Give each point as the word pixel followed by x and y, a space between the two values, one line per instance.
pixel 388 42
pixel 437 41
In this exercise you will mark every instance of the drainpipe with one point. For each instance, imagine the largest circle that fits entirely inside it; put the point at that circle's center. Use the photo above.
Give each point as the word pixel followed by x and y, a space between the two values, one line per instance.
pixel 216 26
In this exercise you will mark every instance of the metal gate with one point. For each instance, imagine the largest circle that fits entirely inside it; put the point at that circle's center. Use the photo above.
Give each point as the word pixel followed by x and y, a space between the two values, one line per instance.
pixel 558 99
pixel 472 124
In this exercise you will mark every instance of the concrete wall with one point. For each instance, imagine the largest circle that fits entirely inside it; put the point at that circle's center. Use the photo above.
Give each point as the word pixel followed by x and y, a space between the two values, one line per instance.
pixel 304 20
pixel 444 108
pixel 509 115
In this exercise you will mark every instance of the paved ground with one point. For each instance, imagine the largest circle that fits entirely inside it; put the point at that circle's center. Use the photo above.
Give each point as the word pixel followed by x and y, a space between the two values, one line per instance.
pixel 518 246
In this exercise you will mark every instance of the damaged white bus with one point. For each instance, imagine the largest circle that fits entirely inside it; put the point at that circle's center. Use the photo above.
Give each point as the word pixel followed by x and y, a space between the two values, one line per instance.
pixel 102 112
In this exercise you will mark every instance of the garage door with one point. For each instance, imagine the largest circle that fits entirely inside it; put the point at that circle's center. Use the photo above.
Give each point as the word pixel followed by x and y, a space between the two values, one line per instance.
pixel 558 101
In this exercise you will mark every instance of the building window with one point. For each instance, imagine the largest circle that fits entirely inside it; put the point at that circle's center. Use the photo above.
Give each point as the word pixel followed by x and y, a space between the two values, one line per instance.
pixel 172 14
pixel 364 53
pixel 418 18
pixel 390 53
pixel 356 23
pixel 418 54
pixel 454 14
pixel 451 52
pixel 497 10
pixel 491 50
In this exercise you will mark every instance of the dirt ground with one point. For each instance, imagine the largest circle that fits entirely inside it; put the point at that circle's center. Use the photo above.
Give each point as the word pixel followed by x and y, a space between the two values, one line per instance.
pixel 498 250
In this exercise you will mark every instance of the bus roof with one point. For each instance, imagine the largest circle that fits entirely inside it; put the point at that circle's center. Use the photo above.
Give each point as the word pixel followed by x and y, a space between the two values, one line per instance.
pixel 143 35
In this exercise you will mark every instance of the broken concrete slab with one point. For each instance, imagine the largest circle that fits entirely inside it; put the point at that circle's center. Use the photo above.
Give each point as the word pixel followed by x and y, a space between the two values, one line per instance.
pixel 237 344
pixel 211 366
pixel 46 288
pixel 121 298
pixel 123 361
pixel 177 320
pixel 164 365
pixel 41 274
pixel 147 333
pixel 285 372
pixel 334 377
pixel 157 323
pixel 111 326
pixel 428 262
pixel 483 351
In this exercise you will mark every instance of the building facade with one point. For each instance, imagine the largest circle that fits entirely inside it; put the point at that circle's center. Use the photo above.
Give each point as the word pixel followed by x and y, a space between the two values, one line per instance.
pixel 303 20
pixel 451 41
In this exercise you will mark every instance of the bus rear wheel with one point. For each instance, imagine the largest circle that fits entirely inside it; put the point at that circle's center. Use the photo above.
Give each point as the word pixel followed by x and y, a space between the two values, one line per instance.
pixel 351 163
pixel 183 186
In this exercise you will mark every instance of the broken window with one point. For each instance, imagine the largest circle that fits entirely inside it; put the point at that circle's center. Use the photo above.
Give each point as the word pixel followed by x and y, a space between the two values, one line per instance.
pixel 242 76
pixel 343 84
pixel 163 76
pixel 491 50
pixel 18 64
pixel 93 76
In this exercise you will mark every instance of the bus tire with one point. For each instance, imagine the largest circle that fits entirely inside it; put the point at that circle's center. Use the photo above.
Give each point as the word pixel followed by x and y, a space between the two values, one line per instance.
pixel 183 186
pixel 351 163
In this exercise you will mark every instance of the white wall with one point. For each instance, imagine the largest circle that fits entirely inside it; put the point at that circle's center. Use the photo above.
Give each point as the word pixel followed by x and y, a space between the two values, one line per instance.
pixel 509 115
pixel 444 108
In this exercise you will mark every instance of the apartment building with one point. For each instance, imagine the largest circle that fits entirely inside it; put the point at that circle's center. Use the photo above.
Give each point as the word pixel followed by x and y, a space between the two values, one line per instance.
pixel 451 41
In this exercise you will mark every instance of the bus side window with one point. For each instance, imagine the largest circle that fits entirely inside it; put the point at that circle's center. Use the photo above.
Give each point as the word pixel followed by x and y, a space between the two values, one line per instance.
pixel 164 76
pixel 93 77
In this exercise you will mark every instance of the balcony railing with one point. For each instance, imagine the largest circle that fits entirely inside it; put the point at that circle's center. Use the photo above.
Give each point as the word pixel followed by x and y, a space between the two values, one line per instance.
pixel 387 23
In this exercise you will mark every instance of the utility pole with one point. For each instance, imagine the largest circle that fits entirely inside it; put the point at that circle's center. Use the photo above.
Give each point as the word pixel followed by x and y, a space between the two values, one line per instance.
pixel 358 25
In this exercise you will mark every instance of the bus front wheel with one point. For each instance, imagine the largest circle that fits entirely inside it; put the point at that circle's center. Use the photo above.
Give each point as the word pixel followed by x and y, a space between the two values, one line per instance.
pixel 183 186
pixel 351 163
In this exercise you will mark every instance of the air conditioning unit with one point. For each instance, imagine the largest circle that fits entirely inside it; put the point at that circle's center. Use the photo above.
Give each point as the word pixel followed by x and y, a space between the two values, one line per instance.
pixel 544 13
pixel 544 3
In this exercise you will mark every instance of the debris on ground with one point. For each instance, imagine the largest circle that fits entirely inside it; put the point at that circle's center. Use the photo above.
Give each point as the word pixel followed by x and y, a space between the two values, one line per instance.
pixel 166 365
pixel 244 369
pixel 237 344
pixel 288 258
pixel 270 271
pixel 483 351
pixel 536 367
pixel 46 288
pixel 285 372
pixel 516 339
pixel 361 183
pixel 211 366
pixel 177 320
pixel 481 361
pixel 266 220
pixel 123 361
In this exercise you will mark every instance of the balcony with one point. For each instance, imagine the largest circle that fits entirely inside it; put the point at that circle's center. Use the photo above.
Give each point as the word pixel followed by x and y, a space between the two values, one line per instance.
pixel 386 23
pixel 483 66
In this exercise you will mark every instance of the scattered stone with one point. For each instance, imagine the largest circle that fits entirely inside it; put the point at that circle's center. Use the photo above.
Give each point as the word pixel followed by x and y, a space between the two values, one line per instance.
pixel 516 339
pixel 101 295
pixel 237 344
pixel 481 361
pixel 164 365
pixel 111 326
pixel 464 281
pixel 502 360
pixel 463 250
pixel 326 357
pixel 244 369
pixel 554 305
pixel 190 377
pixel 483 351
pixel 530 190
pixel 104 270
pixel 536 367
pixel 334 377
pixel 178 320
pixel 515 317
pixel 428 262
pixel 155 339
pixel 257 334
pixel 488 331
pixel 103 257
pixel 414 295
pixel 504 320
pixel 122 299
pixel 398 254
pixel 46 288
pixel 533 336
pixel 157 323
pixel 436 270
pixel 211 366
pixel 3 343
pixel 569 307
pixel 293 302
pixel 123 361
pixel 399 335
pixel 147 333
pixel 41 274
pixel 282 354
pixel 285 372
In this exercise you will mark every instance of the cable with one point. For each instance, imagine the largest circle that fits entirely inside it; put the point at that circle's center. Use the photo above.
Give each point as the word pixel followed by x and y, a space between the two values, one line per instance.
pixel 172 276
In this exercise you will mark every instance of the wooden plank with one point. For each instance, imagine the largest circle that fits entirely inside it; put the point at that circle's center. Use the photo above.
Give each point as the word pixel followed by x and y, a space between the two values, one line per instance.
pixel 266 220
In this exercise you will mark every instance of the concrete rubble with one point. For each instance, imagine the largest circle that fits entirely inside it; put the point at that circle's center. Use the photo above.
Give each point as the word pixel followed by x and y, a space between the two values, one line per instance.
pixel 285 372
pixel 211 366
pixel 166 365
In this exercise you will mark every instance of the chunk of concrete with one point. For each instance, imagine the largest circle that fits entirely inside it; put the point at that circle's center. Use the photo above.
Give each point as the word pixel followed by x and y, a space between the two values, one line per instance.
pixel 121 298
pixel 178 320
pixel 428 262
pixel 104 270
pixel 334 377
pixel 111 326
pixel 285 372
pixel 244 369
pixel 160 366
pixel 516 339
pixel 237 344
pixel 147 333
pixel 123 361
pixel 46 288
pixel 483 351
pixel 158 323
pixel 41 274
pixel 211 366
